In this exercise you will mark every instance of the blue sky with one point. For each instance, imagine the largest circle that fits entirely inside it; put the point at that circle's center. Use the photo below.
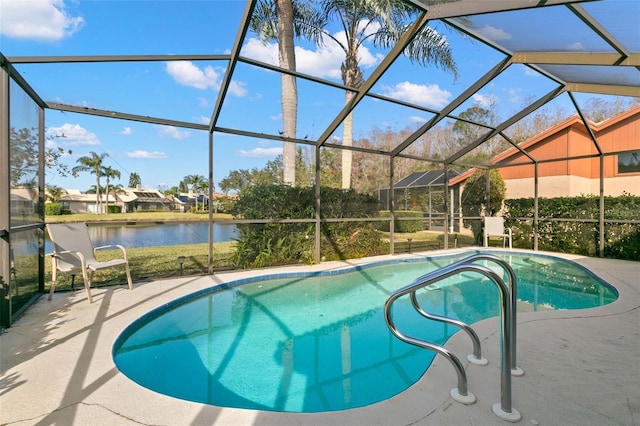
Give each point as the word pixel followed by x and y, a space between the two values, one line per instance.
pixel 187 90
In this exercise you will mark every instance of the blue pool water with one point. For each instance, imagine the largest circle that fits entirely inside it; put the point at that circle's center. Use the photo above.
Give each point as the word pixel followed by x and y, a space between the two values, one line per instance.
pixel 319 342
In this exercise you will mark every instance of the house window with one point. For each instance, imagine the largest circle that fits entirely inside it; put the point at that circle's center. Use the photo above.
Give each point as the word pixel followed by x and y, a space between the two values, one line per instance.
pixel 629 162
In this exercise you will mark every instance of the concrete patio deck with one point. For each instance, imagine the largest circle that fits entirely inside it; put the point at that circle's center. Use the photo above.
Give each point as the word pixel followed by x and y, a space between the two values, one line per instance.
pixel 581 367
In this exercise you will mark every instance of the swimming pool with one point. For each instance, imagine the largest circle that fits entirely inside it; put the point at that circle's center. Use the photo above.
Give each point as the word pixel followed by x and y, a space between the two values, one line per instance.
pixel 318 342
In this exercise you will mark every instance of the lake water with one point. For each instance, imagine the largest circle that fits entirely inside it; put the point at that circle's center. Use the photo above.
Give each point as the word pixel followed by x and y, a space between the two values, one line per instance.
pixel 150 235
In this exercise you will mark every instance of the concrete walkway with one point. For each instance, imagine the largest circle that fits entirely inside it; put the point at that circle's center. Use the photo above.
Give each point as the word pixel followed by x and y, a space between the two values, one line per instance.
pixel 581 367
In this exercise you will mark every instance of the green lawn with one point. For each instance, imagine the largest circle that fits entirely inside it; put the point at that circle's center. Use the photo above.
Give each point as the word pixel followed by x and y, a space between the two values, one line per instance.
pixel 149 263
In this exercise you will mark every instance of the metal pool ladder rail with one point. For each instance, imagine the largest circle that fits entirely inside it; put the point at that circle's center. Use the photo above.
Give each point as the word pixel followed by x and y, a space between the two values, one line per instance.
pixel 508 300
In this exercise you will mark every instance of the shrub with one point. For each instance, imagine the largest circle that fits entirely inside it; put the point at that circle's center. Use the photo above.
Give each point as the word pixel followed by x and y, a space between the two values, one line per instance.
pixel 267 244
pixel 621 239
pixel 402 225
pixel 114 209
pixel 52 209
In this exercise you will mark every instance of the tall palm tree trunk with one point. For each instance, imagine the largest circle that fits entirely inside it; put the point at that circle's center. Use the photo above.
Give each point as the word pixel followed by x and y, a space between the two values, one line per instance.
pixel 289 89
pixel 98 203
pixel 347 140
pixel 352 77
pixel 107 192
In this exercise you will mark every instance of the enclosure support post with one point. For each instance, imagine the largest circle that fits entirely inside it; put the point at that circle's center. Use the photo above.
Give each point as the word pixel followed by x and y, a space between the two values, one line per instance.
pixel 41 188
pixel 210 195
pixel 392 207
pixel 5 203
pixel 447 219
pixel 317 205
pixel 601 218
pixel 535 206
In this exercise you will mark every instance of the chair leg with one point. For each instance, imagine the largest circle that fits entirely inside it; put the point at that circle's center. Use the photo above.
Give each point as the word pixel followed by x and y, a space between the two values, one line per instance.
pixel 51 290
pixel 126 267
pixel 87 284
pixel 54 276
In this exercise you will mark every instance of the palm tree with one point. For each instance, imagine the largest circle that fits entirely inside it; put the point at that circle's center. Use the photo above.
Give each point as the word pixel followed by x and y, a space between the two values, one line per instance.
pixel 115 190
pixel 392 17
pixel 54 193
pixel 92 164
pixel 109 172
pixel 134 180
pixel 280 20
pixel 196 182
pixel 382 22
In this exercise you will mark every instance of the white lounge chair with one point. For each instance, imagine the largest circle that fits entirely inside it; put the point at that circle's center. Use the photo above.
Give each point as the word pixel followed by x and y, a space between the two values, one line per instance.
pixel 73 251
pixel 494 227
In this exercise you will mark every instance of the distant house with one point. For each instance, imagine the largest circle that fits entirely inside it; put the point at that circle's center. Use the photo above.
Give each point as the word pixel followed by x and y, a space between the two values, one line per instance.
pixel 129 200
pixel 143 199
pixel 186 201
pixel 182 202
pixel 76 202
pixel 568 178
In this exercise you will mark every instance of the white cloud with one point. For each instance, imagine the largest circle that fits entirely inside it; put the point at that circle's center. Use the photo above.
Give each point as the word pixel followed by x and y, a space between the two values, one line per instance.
pixel 417 119
pixel 493 33
pixel 126 131
pixel 204 102
pixel 41 20
pixel 154 155
pixel 431 95
pixel 72 135
pixel 172 132
pixel 263 52
pixel 514 95
pixel 238 88
pixel 203 119
pixel 260 152
pixel 577 46
pixel 188 74
pixel 323 62
pixel 485 101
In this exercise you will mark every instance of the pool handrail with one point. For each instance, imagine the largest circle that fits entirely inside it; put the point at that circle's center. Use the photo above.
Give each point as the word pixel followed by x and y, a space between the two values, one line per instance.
pixel 513 292
pixel 503 409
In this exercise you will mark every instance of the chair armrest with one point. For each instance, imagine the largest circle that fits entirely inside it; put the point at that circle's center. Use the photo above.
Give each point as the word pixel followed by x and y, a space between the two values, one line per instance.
pixel 77 254
pixel 57 253
pixel 108 246
pixel 113 247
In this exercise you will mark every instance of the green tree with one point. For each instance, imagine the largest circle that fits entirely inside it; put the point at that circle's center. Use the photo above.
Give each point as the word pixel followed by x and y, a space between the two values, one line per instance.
pixel 474 198
pixel 330 168
pixel 92 163
pixel 24 157
pixel 134 180
pixel 109 172
pixel 237 180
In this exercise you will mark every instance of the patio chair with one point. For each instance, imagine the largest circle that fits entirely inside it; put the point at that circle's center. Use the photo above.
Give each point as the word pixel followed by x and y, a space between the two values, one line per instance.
pixel 73 251
pixel 494 227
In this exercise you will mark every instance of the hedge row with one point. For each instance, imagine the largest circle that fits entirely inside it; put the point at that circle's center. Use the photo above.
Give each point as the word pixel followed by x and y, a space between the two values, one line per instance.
pixel 621 240
pixel 260 245
pixel 402 225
